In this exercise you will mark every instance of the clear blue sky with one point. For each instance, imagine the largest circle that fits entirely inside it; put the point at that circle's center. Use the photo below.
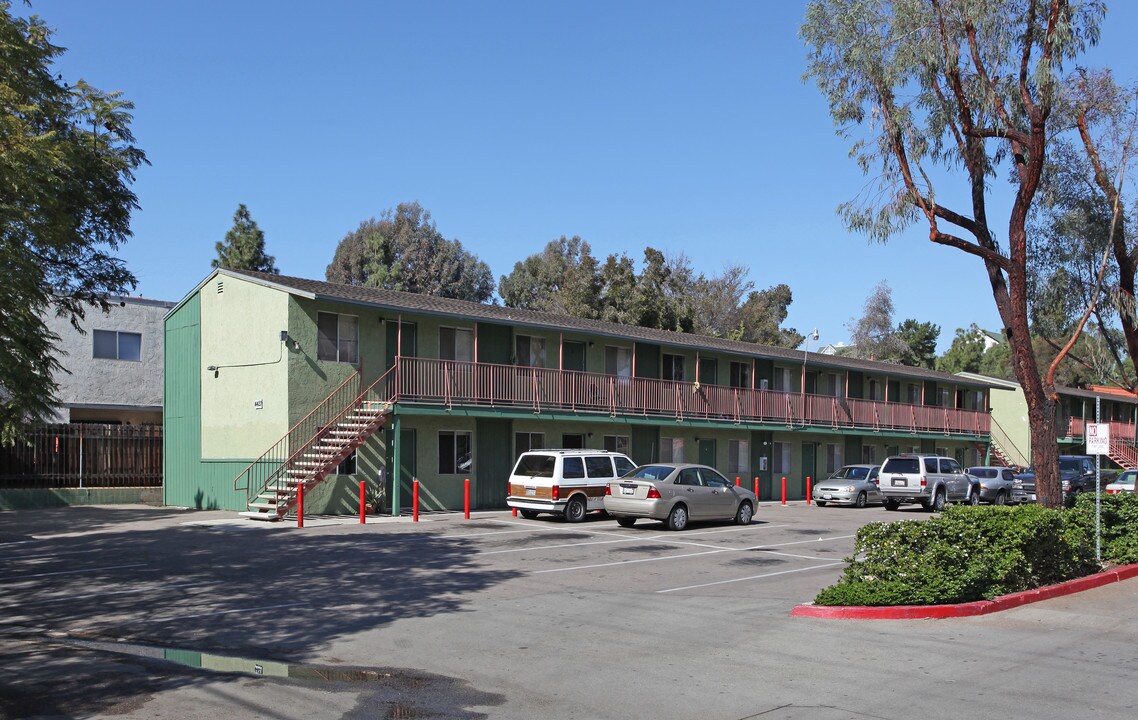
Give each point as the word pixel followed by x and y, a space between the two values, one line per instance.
pixel 684 126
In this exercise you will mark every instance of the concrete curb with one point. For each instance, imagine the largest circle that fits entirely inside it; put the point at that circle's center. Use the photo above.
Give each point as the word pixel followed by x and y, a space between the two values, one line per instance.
pixel 981 607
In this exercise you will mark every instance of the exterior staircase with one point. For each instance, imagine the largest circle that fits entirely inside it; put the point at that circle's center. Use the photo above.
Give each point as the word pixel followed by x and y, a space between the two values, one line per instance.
pixel 1123 453
pixel 314 447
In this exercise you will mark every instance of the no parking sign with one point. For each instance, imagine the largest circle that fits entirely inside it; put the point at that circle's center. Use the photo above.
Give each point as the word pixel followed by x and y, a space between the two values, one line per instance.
pixel 1098 438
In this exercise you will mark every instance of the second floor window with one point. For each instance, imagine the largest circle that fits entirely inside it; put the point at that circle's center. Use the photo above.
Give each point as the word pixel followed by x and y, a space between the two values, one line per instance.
pixel 456 344
pixel 741 374
pixel 530 350
pixel 338 337
pixel 674 367
pixel 618 361
pixel 114 345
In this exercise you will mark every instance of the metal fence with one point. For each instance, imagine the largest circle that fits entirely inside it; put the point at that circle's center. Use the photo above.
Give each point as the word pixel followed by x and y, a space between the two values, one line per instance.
pixel 84 456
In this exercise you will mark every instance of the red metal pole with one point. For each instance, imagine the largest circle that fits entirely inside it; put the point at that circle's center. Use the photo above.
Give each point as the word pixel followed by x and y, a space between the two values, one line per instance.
pixel 466 498
pixel 415 502
pixel 363 508
pixel 737 481
pixel 807 489
pixel 756 488
pixel 515 511
pixel 300 506
pixel 783 489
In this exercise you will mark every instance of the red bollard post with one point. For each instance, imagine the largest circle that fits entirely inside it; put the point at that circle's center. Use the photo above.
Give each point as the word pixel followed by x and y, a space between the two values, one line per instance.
pixel 756 488
pixel 784 490
pixel 808 490
pixel 515 511
pixel 300 506
pixel 415 501
pixel 363 507
pixel 466 498
pixel 736 482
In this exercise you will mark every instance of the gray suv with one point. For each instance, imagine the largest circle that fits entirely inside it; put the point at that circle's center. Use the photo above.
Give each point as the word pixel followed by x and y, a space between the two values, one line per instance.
pixel 930 480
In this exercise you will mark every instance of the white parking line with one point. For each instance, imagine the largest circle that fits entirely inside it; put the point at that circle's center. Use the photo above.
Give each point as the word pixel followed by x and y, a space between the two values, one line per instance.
pixel 73 572
pixel 556 547
pixel 752 577
pixel 626 562
pixel 800 542
pixel 803 557
pixel 28 558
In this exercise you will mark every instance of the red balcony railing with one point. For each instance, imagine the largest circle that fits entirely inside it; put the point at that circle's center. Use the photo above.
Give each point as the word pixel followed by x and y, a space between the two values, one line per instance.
pixel 1075 428
pixel 450 383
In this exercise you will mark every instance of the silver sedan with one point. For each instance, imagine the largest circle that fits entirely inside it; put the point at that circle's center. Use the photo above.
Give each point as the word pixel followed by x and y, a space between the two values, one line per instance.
pixel 997 483
pixel 850 485
pixel 677 493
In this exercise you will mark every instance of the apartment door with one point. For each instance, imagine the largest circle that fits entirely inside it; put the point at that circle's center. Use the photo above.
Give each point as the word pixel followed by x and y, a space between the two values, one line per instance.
pixel 707 452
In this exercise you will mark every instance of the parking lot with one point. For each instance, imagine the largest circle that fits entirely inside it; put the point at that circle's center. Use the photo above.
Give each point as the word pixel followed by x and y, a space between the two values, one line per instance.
pixel 143 612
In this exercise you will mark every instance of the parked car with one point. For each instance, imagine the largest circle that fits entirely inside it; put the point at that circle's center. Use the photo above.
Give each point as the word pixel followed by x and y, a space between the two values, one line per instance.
pixel 1076 473
pixel 1124 483
pixel 570 483
pixel 850 485
pixel 677 493
pixel 996 483
pixel 930 480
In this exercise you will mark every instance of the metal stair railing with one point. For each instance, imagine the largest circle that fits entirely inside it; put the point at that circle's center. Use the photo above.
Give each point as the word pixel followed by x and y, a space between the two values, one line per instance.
pixel 274 462
pixel 1006 448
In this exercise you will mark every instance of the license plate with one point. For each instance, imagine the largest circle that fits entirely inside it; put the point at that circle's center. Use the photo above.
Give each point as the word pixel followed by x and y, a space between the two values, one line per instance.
pixel 826 497
pixel 627 490
pixel 900 482
pixel 531 491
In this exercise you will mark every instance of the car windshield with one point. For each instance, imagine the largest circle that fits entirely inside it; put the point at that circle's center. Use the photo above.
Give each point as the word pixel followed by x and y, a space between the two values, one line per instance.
pixel 536 465
pixel 901 465
pixel 651 472
pixel 851 472
pixel 983 472
pixel 1070 465
pixel 1127 477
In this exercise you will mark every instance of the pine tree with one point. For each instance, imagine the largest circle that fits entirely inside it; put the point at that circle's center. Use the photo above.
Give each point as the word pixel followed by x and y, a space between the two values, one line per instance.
pixel 244 246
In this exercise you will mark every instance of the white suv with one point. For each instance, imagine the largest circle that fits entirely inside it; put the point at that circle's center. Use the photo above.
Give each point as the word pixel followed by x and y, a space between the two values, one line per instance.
pixel 930 480
pixel 570 483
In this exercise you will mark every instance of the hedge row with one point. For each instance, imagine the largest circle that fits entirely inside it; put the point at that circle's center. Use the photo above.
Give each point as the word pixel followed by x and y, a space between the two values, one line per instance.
pixel 978 553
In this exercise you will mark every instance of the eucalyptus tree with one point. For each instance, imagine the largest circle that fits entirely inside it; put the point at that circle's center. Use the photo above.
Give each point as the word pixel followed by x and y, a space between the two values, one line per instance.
pixel 66 167
pixel 942 97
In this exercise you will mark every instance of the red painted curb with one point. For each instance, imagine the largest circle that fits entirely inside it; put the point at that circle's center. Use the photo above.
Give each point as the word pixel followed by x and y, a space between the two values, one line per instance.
pixel 981 607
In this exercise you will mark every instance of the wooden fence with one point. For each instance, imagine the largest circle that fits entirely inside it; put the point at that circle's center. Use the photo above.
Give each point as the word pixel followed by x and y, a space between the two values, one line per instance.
pixel 84 456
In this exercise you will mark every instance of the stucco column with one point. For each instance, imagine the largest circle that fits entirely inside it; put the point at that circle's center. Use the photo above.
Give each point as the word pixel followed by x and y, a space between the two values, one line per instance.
pixel 396 460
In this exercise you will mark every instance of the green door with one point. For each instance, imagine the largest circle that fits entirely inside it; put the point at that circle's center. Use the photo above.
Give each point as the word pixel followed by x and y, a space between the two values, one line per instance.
pixel 493 462
pixel 407 455
pixel 708 371
pixel 707 452
pixel 409 343
pixel 808 469
pixel 573 356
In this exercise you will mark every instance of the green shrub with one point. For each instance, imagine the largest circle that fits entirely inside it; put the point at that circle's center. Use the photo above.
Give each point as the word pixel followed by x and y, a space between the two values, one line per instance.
pixel 1119 525
pixel 964 554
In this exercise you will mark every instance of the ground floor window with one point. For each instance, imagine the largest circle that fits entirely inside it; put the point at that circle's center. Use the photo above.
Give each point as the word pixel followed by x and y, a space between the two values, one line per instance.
pixel 833 457
pixel 616 443
pixel 738 459
pixel 869 454
pixel 525 441
pixel 348 466
pixel 671 450
pixel 943 452
pixel 573 441
pixel 455 452
pixel 780 462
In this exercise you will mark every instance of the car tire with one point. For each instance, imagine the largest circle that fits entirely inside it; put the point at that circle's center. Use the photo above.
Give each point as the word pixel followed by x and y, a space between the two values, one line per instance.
pixel 937 503
pixel 820 503
pixel 1001 498
pixel 528 514
pixel 861 499
pixel 626 522
pixel 891 504
pixel 678 518
pixel 744 514
pixel 575 509
pixel 973 497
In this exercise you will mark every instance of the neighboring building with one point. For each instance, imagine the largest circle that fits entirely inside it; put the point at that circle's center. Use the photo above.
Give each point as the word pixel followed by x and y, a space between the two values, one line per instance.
pixel 1011 434
pixel 115 366
pixel 265 372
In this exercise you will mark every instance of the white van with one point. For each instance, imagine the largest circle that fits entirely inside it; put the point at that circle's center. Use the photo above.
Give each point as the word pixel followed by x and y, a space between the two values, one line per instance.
pixel 564 482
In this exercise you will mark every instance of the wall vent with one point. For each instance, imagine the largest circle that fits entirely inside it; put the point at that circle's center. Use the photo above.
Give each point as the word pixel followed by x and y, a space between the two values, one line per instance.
pixel 220 287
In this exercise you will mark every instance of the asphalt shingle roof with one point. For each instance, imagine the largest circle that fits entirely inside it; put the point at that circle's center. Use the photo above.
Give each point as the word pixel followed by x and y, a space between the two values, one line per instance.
pixel 393 300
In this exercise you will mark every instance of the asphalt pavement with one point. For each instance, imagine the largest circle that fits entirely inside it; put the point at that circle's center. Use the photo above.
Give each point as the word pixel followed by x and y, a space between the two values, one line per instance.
pixel 140 612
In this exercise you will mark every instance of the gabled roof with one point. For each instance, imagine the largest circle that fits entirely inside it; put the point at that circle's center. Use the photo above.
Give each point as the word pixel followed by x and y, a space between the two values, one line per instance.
pixel 395 301
pixel 1091 393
